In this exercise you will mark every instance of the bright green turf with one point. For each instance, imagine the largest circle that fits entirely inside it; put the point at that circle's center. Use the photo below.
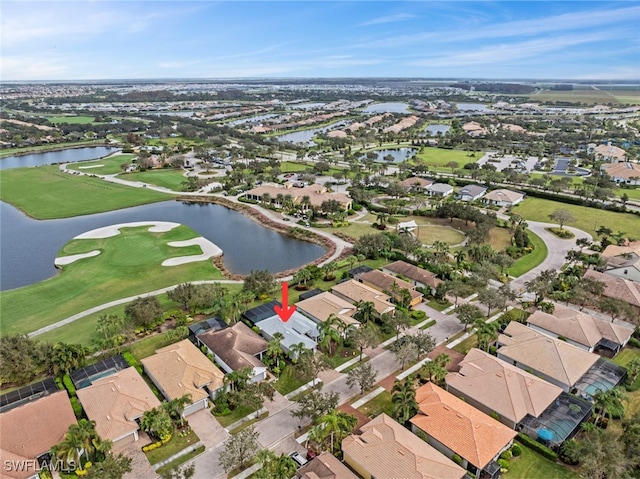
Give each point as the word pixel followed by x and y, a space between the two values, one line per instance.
pixel 531 465
pixel 437 158
pixel 169 178
pixel 111 165
pixel 587 219
pixel 129 264
pixel 72 120
pixel 533 259
pixel 45 193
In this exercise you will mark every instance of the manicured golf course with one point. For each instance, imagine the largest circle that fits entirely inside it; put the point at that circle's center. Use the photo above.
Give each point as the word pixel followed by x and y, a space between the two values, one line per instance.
pixel 128 264
pixel 171 179
pixel 437 158
pixel 45 192
pixel 103 166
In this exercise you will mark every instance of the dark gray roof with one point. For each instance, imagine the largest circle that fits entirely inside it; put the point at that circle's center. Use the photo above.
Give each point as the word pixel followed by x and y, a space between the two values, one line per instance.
pixel 260 313
pixel 210 324
pixel 359 270
pixel 27 393
pixel 310 294
pixel 82 377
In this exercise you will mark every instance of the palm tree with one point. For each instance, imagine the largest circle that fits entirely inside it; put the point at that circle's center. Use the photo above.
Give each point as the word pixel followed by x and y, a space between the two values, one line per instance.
pixel 336 425
pixel 274 349
pixel 328 334
pixel 66 357
pixel 606 401
pixel 382 219
pixel 366 311
pixel 404 401
pixel 157 422
pixel 328 270
pixel 176 406
pixel 297 350
pixel 486 332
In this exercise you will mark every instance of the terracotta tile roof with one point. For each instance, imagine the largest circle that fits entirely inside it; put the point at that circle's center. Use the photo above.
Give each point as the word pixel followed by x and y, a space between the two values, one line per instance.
pixel 115 402
pixel 414 273
pixel 387 450
pixel 236 345
pixel 502 387
pixel 356 291
pixel 579 326
pixel 620 288
pixel 384 282
pixel 615 250
pixel 323 305
pixel 181 369
pixel 415 181
pixel 30 430
pixel 316 193
pixel 471 434
pixel 610 151
pixel 552 357
pixel 325 466
pixel 624 169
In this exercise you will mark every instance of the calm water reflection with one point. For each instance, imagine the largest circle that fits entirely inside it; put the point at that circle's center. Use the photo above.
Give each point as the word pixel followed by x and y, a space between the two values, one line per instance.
pixel 63 156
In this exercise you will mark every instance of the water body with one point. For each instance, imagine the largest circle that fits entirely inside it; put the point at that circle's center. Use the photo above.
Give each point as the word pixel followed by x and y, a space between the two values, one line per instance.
pixel 399 154
pixel 70 155
pixel 306 106
pixel 251 119
pixel 391 107
pixel 433 130
pixel 29 246
pixel 480 107
pixel 305 137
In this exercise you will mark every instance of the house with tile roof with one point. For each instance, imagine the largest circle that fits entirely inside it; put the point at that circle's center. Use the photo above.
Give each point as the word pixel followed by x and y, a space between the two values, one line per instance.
pixel 623 261
pixel 415 183
pixel 495 386
pixel 581 329
pixel 623 173
pixel 419 277
pixel 454 427
pixel 236 347
pixel 619 288
pixel 30 430
pixel 317 194
pixel 439 189
pixel 502 197
pixel 116 403
pixel 322 306
pixel 390 285
pixel 385 449
pixel 325 466
pixel 556 361
pixel 353 292
pixel 471 193
pixel 608 152
pixel 180 369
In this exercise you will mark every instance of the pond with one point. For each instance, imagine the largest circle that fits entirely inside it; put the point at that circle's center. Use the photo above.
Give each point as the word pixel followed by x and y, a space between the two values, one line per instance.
pixel 480 107
pixel 70 155
pixel 29 247
pixel 306 106
pixel 306 136
pixel 399 154
pixel 433 130
pixel 251 119
pixel 390 107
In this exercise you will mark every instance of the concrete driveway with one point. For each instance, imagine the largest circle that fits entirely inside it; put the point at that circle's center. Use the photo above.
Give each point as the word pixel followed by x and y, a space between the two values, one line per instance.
pixel 210 432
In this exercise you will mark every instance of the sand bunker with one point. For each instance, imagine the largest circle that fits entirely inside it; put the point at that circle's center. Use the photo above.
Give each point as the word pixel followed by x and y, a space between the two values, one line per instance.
pixel 209 250
pixel 90 166
pixel 114 230
pixel 62 260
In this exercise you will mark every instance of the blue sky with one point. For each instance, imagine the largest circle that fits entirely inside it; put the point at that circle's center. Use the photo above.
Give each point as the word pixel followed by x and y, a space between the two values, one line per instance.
pixel 206 39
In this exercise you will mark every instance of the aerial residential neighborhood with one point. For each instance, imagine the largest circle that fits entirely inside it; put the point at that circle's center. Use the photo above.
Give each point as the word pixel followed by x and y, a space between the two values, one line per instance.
pixel 391 251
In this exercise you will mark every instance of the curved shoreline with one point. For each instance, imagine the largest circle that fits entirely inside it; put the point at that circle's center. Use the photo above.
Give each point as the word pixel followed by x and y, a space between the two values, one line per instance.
pixel 263 220
pixel 59 148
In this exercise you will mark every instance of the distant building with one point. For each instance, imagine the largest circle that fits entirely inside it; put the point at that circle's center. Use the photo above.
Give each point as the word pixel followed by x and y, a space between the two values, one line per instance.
pixel 316 195
pixel 502 197
pixel 416 183
pixel 609 152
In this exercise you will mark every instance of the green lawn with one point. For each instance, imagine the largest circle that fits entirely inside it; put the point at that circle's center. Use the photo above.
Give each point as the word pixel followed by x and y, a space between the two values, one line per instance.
pixel 129 264
pixel 429 234
pixel 169 178
pixel 499 238
pixel 293 167
pixel 587 219
pixel 104 166
pixel 437 158
pixel 632 193
pixel 237 414
pixel 467 344
pixel 72 120
pixel 175 445
pixel 46 193
pixel 533 259
pixel 288 381
pixel 379 404
pixel 147 347
pixel 531 465
pixel 181 460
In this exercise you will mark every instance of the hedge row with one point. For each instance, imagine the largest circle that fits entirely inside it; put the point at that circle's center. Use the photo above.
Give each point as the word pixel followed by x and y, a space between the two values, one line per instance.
pixel 536 446
pixel 68 384
pixel 132 361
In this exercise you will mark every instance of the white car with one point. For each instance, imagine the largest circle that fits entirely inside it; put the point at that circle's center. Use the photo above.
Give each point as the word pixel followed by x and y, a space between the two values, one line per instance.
pixel 298 458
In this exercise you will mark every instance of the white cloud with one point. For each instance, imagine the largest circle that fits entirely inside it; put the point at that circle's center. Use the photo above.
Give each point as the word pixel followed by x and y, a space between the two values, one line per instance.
pixel 400 17
pixel 33 68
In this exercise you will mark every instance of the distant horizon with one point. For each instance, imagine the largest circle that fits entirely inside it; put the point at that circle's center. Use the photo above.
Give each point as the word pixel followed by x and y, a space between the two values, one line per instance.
pixel 74 40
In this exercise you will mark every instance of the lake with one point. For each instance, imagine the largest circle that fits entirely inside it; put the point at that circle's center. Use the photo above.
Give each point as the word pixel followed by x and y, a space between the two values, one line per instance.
pixel 480 107
pixel 69 155
pixel 433 130
pixel 29 246
pixel 390 107
pixel 305 136
pixel 399 154
pixel 251 119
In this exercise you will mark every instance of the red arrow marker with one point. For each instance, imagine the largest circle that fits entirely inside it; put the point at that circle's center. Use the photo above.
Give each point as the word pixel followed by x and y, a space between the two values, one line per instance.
pixel 285 311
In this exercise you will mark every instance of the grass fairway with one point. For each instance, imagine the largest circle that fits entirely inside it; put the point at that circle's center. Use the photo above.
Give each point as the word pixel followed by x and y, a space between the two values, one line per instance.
pixel 533 259
pixel 438 158
pixel 587 219
pixel 588 97
pixel 72 120
pixel 531 465
pixel 110 166
pixel 46 193
pixel 128 264
pixel 169 178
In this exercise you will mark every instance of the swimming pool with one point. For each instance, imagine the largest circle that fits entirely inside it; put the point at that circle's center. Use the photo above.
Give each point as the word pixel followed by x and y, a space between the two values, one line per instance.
pixel 598 385
pixel 91 379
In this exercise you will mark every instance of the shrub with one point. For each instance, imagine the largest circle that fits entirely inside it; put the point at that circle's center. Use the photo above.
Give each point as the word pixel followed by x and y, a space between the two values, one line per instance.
pixel 516 450
pixel 506 455
pixel 536 446
pixel 59 383
pixel 77 407
pixel 504 464
pixel 634 342
pixel 457 459
pixel 561 233
pixel 68 384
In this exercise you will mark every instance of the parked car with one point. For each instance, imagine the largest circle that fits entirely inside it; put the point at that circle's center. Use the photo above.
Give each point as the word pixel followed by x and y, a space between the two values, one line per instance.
pixel 298 458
